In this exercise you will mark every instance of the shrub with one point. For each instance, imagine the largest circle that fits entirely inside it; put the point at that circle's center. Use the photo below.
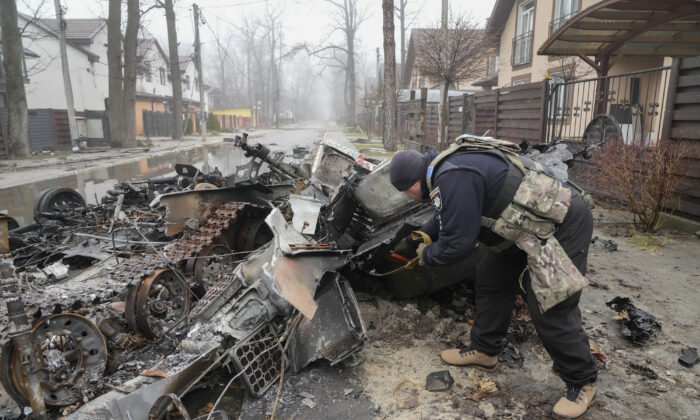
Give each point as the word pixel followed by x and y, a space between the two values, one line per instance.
pixel 644 179
pixel 189 127
pixel 213 123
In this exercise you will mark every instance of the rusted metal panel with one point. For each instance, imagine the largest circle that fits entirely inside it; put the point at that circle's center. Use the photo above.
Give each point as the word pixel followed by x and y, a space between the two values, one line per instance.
pixel 4 229
pixel 198 205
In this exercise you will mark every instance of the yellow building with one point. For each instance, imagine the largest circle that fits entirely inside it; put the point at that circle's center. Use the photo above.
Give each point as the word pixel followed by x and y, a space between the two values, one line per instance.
pixel 241 117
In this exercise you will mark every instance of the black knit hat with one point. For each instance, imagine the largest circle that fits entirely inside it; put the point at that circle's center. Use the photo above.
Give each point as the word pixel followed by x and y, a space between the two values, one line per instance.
pixel 405 169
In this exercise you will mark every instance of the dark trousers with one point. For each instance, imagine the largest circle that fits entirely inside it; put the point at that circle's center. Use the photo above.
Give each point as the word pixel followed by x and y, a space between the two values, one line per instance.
pixel 560 327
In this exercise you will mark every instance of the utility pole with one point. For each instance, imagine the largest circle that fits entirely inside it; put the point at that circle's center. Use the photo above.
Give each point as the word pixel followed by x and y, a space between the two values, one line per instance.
pixel 443 86
pixel 444 14
pixel 198 63
pixel 67 85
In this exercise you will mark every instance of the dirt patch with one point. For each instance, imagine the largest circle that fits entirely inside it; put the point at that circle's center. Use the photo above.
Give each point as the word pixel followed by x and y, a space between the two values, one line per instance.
pixel 406 338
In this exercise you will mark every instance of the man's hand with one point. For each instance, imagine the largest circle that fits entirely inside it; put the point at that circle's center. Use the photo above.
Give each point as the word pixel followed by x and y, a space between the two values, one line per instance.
pixel 419 251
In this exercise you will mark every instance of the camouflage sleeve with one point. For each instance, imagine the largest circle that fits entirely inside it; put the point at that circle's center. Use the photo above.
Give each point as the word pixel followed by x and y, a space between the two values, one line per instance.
pixel 458 215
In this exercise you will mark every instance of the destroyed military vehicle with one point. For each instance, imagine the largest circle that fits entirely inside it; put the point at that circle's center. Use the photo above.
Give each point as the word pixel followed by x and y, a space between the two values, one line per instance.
pixel 195 273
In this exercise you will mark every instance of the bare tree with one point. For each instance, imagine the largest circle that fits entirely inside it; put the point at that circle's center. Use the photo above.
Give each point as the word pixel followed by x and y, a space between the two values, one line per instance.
pixel 406 19
pixel 175 75
pixel 226 67
pixel 389 99
pixel 451 55
pixel 273 31
pixel 133 17
pixel 347 19
pixel 17 114
pixel 114 65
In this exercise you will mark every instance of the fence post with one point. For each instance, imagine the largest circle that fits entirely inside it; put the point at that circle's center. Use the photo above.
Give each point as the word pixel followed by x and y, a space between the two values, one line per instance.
pixel 423 109
pixel 465 112
pixel 543 115
pixel 495 114
pixel 670 99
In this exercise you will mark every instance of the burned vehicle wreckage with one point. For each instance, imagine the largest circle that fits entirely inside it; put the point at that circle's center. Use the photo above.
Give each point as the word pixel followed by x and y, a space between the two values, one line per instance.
pixel 183 276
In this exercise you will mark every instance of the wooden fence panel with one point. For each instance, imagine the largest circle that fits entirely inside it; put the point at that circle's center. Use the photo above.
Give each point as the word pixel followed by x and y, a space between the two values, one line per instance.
pixel 514 113
pixel 156 124
pixel 682 124
pixel 4 152
pixel 61 129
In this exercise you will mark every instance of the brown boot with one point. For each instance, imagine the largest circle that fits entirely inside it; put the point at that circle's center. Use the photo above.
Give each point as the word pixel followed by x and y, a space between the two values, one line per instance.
pixel 576 401
pixel 470 357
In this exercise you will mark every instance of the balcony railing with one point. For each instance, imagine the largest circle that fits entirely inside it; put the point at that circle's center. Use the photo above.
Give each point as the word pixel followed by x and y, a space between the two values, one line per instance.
pixel 522 49
pixel 559 22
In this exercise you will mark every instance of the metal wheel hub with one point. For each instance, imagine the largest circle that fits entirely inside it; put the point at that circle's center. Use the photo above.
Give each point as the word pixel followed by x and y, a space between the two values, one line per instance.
pixel 212 263
pixel 157 303
pixel 73 355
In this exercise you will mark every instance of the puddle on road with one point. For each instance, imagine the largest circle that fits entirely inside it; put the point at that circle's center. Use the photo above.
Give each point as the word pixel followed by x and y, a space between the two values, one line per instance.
pixel 93 183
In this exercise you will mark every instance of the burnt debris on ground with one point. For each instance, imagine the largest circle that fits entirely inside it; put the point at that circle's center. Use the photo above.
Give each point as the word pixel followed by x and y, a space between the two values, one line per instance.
pixel 637 325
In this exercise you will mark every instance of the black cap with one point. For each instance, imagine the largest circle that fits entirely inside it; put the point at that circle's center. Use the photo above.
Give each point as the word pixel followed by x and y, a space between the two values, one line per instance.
pixel 405 169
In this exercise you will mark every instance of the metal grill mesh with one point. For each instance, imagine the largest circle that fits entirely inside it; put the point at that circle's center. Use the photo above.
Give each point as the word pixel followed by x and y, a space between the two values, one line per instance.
pixel 260 366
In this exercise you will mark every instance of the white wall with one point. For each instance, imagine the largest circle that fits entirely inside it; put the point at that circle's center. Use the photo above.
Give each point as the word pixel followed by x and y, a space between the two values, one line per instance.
pixel 45 87
pixel 154 87
pixel 192 93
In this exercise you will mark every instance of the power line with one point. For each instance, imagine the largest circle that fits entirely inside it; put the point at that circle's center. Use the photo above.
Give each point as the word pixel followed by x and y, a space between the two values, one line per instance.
pixel 221 6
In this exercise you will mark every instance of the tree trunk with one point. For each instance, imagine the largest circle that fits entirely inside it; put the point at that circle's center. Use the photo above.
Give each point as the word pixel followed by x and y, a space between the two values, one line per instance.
pixel 67 85
pixel 114 65
pixel 389 126
pixel 443 116
pixel 17 116
pixel 402 27
pixel 175 75
pixel 351 81
pixel 133 16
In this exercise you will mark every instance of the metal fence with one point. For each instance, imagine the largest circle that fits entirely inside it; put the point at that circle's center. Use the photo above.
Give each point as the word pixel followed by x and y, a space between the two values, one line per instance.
pixel 633 104
pixel 157 124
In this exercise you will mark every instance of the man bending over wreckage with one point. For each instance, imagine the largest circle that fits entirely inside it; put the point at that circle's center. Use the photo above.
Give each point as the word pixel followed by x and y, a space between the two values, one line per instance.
pixel 539 229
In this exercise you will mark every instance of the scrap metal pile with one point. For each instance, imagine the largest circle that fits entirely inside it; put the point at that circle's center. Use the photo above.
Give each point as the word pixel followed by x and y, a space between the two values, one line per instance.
pixel 184 276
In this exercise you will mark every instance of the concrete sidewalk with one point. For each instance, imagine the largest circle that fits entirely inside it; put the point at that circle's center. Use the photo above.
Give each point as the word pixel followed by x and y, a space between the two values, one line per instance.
pixel 40 167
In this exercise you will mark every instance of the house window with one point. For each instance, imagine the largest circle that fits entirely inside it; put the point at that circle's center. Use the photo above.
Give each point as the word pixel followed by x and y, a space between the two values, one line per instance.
pixel 563 11
pixel 161 71
pixel 522 43
pixel 24 65
pixel 147 71
pixel 559 104
pixel 493 65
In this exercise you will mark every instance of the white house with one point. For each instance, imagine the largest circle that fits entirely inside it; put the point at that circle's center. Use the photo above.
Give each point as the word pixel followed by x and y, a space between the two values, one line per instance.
pixel 86 41
pixel 154 89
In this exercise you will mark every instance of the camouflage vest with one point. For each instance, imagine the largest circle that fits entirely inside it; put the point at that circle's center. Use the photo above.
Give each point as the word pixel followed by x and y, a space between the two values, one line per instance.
pixel 529 219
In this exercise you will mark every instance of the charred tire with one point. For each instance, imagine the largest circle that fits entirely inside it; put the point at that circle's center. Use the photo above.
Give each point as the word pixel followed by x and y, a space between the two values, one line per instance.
pixel 6 376
pixel 57 198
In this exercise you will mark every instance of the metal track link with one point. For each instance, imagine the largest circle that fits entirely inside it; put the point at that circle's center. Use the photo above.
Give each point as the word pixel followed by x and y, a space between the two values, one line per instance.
pixel 136 269
pixel 220 219
pixel 216 297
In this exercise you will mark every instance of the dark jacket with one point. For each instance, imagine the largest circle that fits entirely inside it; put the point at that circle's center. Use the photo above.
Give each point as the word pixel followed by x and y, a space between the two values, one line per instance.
pixel 464 187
